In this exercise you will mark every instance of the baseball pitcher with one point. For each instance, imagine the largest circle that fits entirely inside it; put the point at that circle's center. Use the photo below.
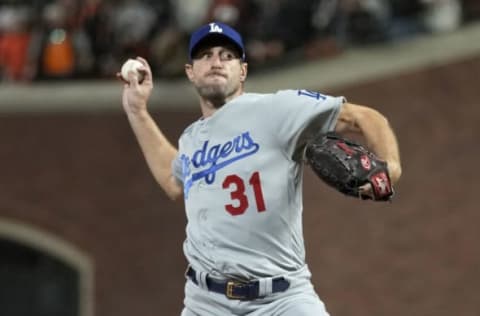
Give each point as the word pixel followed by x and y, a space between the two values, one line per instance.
pixel 239 169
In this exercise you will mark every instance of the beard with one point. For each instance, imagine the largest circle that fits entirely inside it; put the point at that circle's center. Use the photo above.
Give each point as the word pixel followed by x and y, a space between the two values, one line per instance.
pixel 217 94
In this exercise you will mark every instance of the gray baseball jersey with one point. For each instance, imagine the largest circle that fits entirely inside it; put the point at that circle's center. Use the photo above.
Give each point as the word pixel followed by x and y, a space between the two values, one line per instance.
pixel 241 171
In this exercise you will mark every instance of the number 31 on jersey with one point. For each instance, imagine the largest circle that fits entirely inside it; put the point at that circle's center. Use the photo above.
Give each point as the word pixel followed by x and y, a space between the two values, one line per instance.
pixel 237 185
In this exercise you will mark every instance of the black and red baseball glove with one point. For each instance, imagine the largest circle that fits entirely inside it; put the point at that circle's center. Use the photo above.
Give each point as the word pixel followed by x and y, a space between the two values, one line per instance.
pixel 347 166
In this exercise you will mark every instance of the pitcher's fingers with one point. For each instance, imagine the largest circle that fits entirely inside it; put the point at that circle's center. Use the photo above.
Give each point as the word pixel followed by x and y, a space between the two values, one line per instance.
pixel 146 65
pixel 133 79
pixel 143 61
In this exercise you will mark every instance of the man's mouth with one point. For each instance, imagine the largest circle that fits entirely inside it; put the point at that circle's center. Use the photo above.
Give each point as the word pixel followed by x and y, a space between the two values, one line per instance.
pixel 216 74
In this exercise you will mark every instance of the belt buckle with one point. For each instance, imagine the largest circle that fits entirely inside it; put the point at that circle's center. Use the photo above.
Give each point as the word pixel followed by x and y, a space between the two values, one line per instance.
pixel 230 285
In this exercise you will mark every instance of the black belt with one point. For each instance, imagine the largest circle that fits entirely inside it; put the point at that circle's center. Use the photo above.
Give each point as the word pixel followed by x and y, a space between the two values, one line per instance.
pixel 237 290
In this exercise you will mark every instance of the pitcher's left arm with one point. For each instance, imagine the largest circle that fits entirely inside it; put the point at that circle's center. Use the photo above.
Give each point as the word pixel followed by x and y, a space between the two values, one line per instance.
pixel 376 131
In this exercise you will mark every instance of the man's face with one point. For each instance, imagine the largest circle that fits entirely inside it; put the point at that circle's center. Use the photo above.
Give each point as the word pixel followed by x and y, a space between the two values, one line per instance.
pixel 217 72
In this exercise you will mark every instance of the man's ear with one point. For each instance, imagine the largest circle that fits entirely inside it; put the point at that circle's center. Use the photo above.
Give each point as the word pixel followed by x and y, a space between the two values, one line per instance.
pixel 243 72
pixel 189 71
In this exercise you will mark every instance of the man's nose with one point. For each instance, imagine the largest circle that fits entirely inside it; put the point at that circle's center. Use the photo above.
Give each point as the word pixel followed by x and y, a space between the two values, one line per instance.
pixel 216 60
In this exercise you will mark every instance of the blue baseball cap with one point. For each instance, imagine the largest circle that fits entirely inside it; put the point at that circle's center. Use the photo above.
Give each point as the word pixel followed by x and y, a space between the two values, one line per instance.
pixel 216 29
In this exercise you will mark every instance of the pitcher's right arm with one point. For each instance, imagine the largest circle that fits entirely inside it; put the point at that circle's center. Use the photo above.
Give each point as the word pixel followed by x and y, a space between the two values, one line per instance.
pixel 157 150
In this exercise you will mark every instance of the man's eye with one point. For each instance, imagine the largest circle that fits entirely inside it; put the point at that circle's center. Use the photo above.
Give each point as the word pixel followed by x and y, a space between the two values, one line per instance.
pixel 204 54
pixel 228 56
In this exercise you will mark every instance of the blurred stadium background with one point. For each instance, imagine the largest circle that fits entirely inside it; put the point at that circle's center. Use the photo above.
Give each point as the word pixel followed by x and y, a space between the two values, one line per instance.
pixel 84 229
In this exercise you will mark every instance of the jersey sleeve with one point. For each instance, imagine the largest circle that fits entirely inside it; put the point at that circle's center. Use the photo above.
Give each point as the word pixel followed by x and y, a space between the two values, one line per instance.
pixel 177 169
pixel 300 114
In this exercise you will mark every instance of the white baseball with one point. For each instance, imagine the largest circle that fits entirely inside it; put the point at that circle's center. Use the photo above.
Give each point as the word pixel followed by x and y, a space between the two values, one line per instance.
pixel 132 65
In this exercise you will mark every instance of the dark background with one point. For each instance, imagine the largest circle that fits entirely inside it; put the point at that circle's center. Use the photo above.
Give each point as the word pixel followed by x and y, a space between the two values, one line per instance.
pixel 82 178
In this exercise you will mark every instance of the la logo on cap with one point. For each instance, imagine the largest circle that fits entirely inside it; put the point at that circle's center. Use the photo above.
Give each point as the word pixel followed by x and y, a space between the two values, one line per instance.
pixel 214 28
